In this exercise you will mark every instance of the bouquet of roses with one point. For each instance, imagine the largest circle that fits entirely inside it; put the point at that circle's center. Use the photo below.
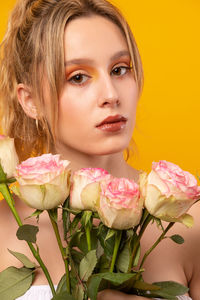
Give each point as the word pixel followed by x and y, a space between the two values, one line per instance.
pixel 104 219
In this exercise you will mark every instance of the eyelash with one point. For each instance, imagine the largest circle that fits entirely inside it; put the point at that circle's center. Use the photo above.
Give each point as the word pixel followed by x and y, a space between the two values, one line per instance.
pixel 127 69
pixel 73 78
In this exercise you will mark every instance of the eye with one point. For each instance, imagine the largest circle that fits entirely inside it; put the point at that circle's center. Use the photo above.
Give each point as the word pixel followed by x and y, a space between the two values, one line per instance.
pixel 120 71
pixel 79 79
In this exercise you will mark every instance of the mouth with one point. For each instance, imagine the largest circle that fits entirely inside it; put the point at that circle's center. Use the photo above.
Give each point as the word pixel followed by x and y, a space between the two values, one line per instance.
pixel 112 123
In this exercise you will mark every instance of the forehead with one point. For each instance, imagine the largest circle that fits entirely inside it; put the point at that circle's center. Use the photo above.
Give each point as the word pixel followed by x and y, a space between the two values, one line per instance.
pixel 93 37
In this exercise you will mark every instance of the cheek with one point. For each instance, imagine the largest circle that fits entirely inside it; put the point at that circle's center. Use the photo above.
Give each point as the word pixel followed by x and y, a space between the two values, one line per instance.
pixel 131 100
pixel 72 113
pixel 69 107
pixel 129 96
pixel 77 104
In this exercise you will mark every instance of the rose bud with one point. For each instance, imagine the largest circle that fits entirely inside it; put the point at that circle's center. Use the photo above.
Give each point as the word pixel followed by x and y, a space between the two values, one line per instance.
pixel 120 205
pixel 8 156
pixel 44 181
pixel 85 189
pixel 169 192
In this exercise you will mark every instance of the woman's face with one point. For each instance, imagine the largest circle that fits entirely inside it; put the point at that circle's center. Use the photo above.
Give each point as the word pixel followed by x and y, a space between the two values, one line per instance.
pixel 97 105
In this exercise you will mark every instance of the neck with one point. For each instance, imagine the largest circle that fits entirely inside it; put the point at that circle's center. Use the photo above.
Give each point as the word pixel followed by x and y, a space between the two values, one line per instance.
pixel 113 163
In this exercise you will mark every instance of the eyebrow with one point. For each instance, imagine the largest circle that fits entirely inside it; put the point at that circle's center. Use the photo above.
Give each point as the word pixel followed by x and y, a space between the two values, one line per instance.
pixel 79 61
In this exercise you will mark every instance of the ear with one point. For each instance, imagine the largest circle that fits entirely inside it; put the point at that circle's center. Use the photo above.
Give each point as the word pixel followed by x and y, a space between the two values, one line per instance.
pixel 26 100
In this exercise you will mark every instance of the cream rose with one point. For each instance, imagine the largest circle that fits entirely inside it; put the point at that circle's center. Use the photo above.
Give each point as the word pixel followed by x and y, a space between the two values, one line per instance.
pixel 44 181
pixel 169 192
pixel 85 189
pixel 8 156
pixel 120 205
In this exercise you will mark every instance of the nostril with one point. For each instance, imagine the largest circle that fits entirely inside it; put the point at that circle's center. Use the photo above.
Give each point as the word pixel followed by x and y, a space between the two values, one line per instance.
pixel 110 102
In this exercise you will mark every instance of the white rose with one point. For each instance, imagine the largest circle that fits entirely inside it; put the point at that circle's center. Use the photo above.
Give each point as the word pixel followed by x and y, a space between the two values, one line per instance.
pixel 44 181
pixel 85 188
pixel 120 205
pixel 8 156
pixel 169 192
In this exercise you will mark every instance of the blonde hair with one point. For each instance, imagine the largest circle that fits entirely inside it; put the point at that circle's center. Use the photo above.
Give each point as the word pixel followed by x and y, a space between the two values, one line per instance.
pixel 32 51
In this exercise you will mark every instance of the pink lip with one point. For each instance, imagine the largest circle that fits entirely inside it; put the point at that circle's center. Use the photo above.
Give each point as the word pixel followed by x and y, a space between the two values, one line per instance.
pixel 112 119
pixel 113 123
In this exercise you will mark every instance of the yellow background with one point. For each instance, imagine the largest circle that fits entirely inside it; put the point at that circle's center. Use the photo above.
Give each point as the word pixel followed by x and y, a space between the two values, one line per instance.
pixel 167 34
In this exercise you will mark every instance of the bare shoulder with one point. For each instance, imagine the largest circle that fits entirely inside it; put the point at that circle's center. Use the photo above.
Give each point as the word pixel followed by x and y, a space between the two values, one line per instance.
pixel 188 254
pixel 192 237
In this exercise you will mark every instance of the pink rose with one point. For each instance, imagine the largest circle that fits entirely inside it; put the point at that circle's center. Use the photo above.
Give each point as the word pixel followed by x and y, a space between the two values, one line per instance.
pixel 170 192
pixel 120 205
pixel 44 181
pixel 8 155
pixel 85 188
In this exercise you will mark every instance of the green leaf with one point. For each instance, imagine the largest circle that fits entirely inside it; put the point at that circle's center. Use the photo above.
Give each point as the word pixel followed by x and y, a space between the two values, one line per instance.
pixel 3 176
pixel 36 214
pixel 125 253
pixel 141 285
pixel 108 245
pixel 27 233
pixel 75 222
pixel 62 285
pixel 137 257
pixel 114 278
pixel 118 278
pixel 53 213
pixel 83 241
pixel 110 233
pixel 87 265
pixel 103 264
pixel 15 282
pixel 123 259
pixel 74 280
pixel 15 190
pixel 75 239
pixel 93 286
pixel 86 218
pixel 99 250
pixel 63 295
pixel 11 180
pixel 79 240
pixel 177 239
pixel 24 259
pixel 77 256
pixel 66 217
pixel 172 288
pixel 78 293
pixel 96 215
pixel 165 289
pixel 159 223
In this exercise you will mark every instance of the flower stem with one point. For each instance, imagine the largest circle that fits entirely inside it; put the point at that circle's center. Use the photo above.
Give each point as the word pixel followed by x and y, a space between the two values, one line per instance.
pixel 62 250
pixel 88 237
pixel 118 236
pixel 8 197
pixel 137 243
pixel 162 236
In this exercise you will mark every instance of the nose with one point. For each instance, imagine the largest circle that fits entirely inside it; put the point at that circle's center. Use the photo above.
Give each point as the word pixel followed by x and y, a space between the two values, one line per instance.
pixel 108 96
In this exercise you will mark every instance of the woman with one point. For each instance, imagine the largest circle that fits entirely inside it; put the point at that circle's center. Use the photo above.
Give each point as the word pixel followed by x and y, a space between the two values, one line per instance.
pixel 70 85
